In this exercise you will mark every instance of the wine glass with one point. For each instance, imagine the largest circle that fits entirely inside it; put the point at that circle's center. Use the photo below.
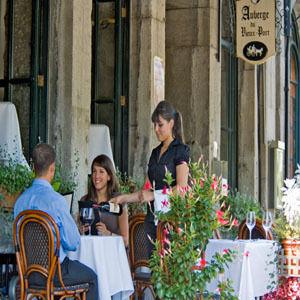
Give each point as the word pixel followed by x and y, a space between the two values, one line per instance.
pixel 87 216
pixel 267 221
pixel 250 221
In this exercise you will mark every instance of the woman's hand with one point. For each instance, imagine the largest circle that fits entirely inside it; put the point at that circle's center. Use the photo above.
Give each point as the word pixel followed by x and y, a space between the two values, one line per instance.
pixel 102 230
pixel 83 228
pixel 146 195
pixel 119 199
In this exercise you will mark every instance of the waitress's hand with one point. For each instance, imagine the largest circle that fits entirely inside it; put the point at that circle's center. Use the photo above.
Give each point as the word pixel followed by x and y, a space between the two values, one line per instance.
pixel 146 195
pixel 101 229
pixel 119 199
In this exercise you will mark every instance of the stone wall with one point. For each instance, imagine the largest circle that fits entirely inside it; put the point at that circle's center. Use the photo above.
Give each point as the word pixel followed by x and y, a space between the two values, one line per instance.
pixel 148 41
pixel 70 83
pixel 192 71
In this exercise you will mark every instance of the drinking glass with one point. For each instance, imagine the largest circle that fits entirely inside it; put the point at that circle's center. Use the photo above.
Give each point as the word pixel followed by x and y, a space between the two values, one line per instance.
pixel 250 221
pixel 267 221
pixel 87 216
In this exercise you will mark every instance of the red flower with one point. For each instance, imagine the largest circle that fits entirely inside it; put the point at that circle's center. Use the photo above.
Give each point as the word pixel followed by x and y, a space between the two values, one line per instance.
pixel 235 222
pixel 214 185
pixel 165 203
pixel 220 214
pixel 225 251
pixel 201 182
pixel 165 190
pixel 202 263
pixel 147 186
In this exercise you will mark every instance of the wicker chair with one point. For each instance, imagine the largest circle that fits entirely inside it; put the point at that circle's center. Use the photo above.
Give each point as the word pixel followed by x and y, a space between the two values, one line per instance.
pixel 257 232
pixel 37 243
pixel 138 256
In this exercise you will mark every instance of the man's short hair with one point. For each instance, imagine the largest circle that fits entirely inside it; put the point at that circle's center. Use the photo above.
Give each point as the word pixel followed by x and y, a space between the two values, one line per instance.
pixel 43 156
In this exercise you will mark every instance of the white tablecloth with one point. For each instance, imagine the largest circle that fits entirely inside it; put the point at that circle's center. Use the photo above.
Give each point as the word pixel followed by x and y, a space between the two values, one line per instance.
pixel 10 139
pixel 250 271
pixel 107 257
pixel 99 143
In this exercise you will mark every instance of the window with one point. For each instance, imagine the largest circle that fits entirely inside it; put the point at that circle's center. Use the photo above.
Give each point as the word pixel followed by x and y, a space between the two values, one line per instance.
pixel 229 94
pixel 293 109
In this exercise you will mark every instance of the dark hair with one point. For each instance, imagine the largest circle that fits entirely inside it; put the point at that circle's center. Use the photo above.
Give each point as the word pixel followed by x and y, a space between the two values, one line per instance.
pixel 43 155
pixel 167 111
pixel 112 185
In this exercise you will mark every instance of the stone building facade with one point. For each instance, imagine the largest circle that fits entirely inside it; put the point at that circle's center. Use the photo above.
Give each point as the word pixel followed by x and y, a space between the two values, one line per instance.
pixel 68 64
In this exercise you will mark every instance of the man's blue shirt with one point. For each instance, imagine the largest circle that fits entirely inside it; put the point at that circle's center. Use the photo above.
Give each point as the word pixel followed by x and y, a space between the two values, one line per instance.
pixel 41 196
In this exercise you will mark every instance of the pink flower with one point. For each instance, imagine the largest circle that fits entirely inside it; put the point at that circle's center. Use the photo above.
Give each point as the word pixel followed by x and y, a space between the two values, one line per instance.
pixel 165 203
pixel 147 186
pixel 201 182
pixel 214 185
pixel 246 253
pixel 235 222
pixel 225 189
pixel 225 251
pixel 220 214
pixel 179 230
pixel 165 190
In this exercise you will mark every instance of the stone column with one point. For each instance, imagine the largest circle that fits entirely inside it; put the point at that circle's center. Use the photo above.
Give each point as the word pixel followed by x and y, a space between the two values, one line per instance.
pixel 70 82
pixel 147 42
pixel 193 74
pixel 248 160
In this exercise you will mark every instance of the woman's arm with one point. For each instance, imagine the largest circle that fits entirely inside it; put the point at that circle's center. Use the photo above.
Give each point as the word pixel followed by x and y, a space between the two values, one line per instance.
pixel 182 174
pixel 140 196
pixel 123 225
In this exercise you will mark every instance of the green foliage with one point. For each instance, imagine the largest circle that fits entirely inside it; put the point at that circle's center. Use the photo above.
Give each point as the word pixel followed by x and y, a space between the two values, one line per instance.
pixel 14 177
pixel 282 228
pixel 127 185
pixel 6 217
pixel 64 181
pixel 195 213
pixel 238 205
pixel 287 221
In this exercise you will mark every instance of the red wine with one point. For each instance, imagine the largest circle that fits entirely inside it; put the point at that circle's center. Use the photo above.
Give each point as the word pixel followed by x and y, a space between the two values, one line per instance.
pixel 109 207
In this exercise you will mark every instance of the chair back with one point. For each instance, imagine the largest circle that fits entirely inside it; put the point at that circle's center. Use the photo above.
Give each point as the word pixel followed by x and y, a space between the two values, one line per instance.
pixel 257 232
pixel 37 243
pixel 137 242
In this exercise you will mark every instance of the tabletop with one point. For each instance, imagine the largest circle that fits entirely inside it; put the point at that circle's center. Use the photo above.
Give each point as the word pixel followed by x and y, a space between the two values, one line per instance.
pixel 106 255
pixel 252 268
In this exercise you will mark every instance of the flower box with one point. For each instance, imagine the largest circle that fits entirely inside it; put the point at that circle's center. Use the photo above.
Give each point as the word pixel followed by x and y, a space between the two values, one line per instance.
pixel 289 258
pixel 8 200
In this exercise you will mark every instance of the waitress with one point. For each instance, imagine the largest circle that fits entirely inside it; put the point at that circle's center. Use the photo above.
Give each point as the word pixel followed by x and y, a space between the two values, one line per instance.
pixel 171 154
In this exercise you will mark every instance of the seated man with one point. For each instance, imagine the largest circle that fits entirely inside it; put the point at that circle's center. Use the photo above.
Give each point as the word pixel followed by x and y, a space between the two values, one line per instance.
pixel 41 196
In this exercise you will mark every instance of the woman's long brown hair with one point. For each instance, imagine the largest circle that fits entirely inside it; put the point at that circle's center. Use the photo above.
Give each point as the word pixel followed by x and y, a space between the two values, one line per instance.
pixel 112 185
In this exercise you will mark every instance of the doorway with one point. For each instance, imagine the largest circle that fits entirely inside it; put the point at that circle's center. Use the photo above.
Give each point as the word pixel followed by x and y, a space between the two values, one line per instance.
pixel 110 73
pixel 23 70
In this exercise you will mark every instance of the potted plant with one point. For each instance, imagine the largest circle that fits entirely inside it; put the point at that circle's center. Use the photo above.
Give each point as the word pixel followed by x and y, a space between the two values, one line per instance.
pixel 179 268
pixel 14 178
pixel 287 226
pixel 128 185
pixel 238 205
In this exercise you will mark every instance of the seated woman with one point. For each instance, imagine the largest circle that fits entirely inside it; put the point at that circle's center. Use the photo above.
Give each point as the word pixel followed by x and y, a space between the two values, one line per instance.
pixel 103 187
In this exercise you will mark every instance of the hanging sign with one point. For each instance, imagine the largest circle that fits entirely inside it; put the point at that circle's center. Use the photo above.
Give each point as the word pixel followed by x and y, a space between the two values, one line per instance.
pixel 255 30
